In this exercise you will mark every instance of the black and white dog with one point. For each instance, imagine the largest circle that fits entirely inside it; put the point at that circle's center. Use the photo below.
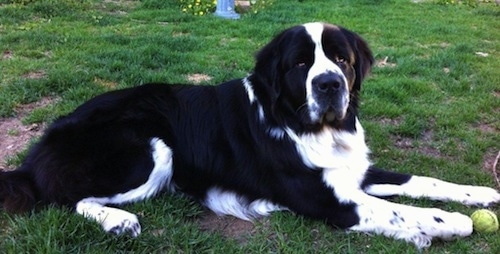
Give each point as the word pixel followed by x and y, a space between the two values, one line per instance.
pixel 286 137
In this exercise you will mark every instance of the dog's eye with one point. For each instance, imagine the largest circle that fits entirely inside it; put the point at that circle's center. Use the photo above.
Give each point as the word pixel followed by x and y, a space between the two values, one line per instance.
pixel 300 65
pixel 340 59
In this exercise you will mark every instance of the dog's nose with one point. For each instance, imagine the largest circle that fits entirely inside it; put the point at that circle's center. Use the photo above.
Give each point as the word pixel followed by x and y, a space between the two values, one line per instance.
pixel 328 82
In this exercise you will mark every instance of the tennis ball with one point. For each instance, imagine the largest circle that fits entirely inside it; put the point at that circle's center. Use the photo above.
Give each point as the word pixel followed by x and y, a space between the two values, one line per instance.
pixel 484 221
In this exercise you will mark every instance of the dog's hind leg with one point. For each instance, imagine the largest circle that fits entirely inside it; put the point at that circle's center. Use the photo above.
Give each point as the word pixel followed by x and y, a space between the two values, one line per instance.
pixel 117 221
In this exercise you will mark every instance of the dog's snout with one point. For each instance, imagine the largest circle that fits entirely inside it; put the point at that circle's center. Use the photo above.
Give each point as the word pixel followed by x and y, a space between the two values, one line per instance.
pixel 328 82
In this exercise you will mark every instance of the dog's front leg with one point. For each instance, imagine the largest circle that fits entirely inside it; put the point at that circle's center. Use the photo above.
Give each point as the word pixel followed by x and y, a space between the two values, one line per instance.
pixel 375 215
pixel 413 224
pixel 379 183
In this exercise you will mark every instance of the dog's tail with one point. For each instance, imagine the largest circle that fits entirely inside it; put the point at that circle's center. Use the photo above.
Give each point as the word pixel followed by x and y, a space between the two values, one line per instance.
pixel 17 190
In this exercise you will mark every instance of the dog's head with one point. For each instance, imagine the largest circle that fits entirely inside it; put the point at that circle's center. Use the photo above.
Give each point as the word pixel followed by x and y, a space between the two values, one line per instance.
pixel 310 75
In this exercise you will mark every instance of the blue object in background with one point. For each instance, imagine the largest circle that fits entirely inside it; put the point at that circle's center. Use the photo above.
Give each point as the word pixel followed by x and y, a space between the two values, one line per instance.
pixel 225 9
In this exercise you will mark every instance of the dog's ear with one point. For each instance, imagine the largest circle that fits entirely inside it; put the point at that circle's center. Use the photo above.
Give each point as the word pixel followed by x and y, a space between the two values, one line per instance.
pixel 273 61
pixel 268 66
pixel 363 54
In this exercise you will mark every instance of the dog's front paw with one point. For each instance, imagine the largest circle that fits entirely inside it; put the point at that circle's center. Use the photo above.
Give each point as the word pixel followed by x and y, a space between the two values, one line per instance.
pixel 449 226
pixel 435 223
pixel 480 196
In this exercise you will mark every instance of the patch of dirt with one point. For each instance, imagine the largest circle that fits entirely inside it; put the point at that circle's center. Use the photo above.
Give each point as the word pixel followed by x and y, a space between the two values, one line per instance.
pixel 489 159
pixel 390 121
pixel 117 7
pixel 491 164
pixel 122 3
pixel 403 143
pixel 7 54
pixel 198 78
pixel 427 147
pixel 486 128
pixel 105 83
pixel 14 135
pixel 424 144
pixel 179 34
pixel 228 226
pixel 35 75
pixel 227 41
pixel 127 3
pixel 442 45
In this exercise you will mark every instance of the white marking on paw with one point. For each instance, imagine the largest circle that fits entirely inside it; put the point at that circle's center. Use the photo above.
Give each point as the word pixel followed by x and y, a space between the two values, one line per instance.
pixel 112 220
pixel 479 195
pixel 119 222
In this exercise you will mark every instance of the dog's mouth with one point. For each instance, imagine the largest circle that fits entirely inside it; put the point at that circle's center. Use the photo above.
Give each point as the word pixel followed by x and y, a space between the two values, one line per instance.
pixel 332 108
pixel 331 112
pixel 331 115
pixel 336 110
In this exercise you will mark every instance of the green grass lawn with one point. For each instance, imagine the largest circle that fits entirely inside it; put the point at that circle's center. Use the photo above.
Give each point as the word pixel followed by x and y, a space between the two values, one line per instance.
pixel 431 106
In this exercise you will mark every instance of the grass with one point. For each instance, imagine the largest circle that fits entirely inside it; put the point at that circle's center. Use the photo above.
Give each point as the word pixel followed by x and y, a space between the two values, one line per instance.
pixel 432 109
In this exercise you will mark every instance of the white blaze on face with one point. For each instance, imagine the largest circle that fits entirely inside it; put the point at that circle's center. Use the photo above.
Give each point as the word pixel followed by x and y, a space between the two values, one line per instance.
pixel 320 65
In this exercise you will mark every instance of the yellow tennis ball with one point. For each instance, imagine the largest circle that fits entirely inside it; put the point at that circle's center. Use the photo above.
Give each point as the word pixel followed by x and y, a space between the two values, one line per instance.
pixel 484 221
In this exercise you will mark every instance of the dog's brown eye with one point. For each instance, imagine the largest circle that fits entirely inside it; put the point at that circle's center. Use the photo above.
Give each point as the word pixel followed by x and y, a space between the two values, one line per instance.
pixel 300 65
pixel 340 59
